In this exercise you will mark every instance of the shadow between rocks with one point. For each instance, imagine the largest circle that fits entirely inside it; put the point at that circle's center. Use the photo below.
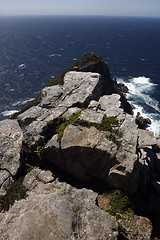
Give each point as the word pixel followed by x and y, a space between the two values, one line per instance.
pixel 145 201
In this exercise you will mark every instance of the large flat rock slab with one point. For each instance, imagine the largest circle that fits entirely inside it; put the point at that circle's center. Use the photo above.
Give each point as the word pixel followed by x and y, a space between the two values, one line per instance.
pixel 58 211
pixel 78 89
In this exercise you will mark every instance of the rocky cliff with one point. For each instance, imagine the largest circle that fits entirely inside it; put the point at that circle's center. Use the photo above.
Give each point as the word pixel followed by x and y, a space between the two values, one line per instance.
pixel 81 129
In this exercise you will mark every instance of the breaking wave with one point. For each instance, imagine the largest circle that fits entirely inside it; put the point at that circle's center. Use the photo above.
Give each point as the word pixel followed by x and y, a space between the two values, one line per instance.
pixel 141 96
pixel 18 104
pixel 55 55
pixel 8 113
pixel 23 102
pixel 21 66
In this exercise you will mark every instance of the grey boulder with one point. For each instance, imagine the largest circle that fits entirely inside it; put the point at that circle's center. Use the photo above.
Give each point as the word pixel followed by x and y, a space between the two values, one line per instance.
pixel 57 211
pixel 11 160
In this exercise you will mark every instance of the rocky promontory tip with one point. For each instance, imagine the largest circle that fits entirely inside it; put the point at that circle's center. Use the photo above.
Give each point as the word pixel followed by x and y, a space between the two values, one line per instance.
pixel 81 129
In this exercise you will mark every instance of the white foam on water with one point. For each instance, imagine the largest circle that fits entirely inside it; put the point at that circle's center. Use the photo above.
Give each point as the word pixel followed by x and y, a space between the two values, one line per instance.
pixel 26 101
pixel 155 124
pixel 138 88
pixel 8 113
pixel 21 66
pixel 20 103
pixel 55 55
pixel 155 127
pixel 141 80
pixel 52 76
pixel 138 109
pixel 139 95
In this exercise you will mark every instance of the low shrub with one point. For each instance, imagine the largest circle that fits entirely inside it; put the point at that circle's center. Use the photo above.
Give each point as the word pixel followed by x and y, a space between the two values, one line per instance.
pixel 16 191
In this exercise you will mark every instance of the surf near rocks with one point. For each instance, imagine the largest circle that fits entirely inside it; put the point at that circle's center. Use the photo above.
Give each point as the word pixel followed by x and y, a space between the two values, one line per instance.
pixel 80 126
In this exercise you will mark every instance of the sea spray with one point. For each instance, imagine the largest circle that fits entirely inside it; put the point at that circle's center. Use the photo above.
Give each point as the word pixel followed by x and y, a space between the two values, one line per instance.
pixel 140 95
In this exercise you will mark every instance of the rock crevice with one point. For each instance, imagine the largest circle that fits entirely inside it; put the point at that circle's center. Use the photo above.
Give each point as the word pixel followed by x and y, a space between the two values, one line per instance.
pixel 82 127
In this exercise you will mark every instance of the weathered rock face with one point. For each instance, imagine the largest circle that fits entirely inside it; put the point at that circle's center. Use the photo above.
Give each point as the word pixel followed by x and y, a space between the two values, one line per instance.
pixel 57 211
pixel 37 175
pixel 131 226
pixel 136 228
pixel 11 160
pixel 125 174
pixel 86 133
pixel 84 152
pixel 87 153
pixel 78 89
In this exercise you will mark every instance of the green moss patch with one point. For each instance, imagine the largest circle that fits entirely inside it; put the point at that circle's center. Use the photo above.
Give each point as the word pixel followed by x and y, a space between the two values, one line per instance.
pixel 108 124
pixel 16 191
pixel 61 123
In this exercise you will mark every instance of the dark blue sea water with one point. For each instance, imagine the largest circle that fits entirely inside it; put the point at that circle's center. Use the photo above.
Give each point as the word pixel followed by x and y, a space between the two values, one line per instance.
pixel 35 49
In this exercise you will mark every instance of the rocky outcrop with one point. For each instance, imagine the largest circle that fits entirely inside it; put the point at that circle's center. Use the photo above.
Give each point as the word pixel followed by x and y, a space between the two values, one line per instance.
pixel 84 153
pixel 78 89
pixel 142 122
pixel 135 228
pixel 87 153
pixel 57 211
pixel 131 226
pixel 87 148
pixel 83 128
pixel 11 159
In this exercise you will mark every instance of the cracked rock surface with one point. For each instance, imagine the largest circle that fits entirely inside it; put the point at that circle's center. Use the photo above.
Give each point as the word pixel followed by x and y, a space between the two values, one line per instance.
pixel 57 211
pixel 123 157
pixel 11 160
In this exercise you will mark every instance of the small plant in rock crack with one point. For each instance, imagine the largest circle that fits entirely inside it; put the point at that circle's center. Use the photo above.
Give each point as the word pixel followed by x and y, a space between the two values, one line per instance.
pixel 39 151
pixel 119 204
pixel 15 191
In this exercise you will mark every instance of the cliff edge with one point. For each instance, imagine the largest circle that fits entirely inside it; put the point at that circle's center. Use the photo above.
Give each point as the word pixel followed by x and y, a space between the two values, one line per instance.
pixel 81 129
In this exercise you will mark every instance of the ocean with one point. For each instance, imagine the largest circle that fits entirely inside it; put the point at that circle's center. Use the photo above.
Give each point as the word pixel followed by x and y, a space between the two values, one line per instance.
pixel 33 50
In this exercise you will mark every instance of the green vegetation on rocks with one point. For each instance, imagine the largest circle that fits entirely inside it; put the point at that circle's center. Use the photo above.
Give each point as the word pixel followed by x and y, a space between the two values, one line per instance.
pixel 62 123
pixel 108 124
pixel 119 204
pixel 16 191
pixel 85 61
pixel 39 151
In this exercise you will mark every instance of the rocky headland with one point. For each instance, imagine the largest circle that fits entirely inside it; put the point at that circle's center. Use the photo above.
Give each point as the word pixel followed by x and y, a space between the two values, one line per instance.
pixel 75 163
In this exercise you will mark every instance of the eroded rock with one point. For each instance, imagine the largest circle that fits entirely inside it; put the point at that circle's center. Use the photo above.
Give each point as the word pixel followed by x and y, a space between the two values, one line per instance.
pixel 84 152
pixel 57 211
pixel 141 121
pixel 78 89
pixel 135 227
pixel 11 160
pixel 37 175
